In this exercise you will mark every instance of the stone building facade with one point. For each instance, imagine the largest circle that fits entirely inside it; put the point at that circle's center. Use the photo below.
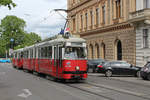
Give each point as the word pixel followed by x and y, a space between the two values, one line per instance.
pixel 141 21
pixel 104 24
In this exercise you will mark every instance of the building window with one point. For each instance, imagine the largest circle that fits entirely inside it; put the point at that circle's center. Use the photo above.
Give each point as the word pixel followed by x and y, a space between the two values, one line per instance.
pixel 86 20
pixel 103 14
pixel 81 18
pixel 97 16
pixel 97 51
pixel 145 38
pixel 109 3
pixel 91 51
pixel 91 16
pixel 74 24
pixel 103 50
pixel 118 8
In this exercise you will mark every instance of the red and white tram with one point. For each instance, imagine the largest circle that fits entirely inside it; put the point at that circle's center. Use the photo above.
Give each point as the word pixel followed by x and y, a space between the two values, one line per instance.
pixel 18 58
pixel 61 57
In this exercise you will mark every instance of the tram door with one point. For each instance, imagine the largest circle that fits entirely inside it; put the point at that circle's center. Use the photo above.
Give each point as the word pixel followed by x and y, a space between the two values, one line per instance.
pixel 34 58
pixel 57 59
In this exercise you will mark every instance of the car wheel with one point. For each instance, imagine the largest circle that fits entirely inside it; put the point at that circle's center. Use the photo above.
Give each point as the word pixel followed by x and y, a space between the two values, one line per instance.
pixel 148 77
pixel 144 78
pixel 108 73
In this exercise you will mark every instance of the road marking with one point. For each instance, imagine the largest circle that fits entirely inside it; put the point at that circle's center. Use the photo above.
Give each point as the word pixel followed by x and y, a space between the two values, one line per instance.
pixel 26 93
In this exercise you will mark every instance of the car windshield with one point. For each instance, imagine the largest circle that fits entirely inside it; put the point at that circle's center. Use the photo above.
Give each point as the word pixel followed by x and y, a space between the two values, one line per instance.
pixel 75 53
pixel 106 64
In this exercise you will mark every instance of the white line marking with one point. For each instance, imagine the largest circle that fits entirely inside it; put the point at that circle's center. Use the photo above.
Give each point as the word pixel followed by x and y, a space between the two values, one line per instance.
pixel 26 93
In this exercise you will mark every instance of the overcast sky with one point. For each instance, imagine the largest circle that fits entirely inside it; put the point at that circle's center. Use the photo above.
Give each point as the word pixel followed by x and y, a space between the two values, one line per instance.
pixel 38 15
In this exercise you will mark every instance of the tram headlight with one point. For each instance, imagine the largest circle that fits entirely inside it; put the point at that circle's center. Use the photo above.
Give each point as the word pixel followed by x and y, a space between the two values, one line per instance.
pixel 77 68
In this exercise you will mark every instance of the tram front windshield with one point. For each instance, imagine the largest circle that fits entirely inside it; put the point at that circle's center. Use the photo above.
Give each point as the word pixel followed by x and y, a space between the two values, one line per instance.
pixel 75 53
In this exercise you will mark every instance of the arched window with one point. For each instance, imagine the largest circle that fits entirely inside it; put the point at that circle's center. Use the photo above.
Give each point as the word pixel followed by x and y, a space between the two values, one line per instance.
pixel 91 51
pixel 118 50
pixel 103 50
pixel 97 51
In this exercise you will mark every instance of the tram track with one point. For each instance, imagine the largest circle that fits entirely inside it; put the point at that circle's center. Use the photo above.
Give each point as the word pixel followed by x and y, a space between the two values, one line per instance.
pixel 139 84
pixel 122 91
pixel 124 81
pixel 68 84
pixel 140 95
pixel 118 90
pixel 90 92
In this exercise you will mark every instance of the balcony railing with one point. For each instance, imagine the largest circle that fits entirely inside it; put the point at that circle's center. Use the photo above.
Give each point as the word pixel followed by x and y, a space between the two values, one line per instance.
pixel 140 15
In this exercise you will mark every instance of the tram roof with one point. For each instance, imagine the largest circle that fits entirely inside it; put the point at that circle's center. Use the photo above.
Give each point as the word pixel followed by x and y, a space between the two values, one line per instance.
pixel 18 50
pixel 61 39
pixel 29 47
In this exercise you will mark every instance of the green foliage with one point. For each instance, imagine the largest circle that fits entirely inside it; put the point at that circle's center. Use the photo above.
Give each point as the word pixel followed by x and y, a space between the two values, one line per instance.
pixel 2 47
pixel 12 27
pixel 8 3
pixel 29 39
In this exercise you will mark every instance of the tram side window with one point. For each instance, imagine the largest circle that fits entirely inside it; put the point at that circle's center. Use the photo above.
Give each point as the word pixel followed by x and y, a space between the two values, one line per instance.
pixel 45 52
pixel 15 55
pixel 55 56
pixel 42 52
pixel 35 53
pixel 31 53
pixel 49 52
pixel 21 54
pixel 27 54
pixel 39 52
pixel 55 53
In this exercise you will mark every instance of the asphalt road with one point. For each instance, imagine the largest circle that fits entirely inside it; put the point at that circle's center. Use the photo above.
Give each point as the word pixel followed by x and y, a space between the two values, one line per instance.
pixel 19 85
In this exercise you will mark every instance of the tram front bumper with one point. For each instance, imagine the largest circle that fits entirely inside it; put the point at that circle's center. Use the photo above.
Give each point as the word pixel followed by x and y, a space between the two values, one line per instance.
pixel 74 74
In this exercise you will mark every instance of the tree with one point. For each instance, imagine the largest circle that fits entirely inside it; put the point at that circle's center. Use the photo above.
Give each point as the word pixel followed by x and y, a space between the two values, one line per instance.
pixel 32 38
pixel 29 39
pixel 2 47
pixel 12 27
pixel 8 3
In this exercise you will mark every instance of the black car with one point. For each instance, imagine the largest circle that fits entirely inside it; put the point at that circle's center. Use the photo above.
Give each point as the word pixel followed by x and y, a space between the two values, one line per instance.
pixel 92 64
pixel 119 68
pixel 145 71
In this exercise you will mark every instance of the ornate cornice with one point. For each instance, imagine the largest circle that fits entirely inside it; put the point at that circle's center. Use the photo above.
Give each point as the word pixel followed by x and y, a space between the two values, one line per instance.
pixel 109 28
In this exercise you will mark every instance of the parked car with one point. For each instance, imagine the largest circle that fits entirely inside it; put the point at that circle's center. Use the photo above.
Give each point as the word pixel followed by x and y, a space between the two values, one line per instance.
pixel 99 68
pixel 118 68
pixel 145 71
pixel 5 61
pixel 92 64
